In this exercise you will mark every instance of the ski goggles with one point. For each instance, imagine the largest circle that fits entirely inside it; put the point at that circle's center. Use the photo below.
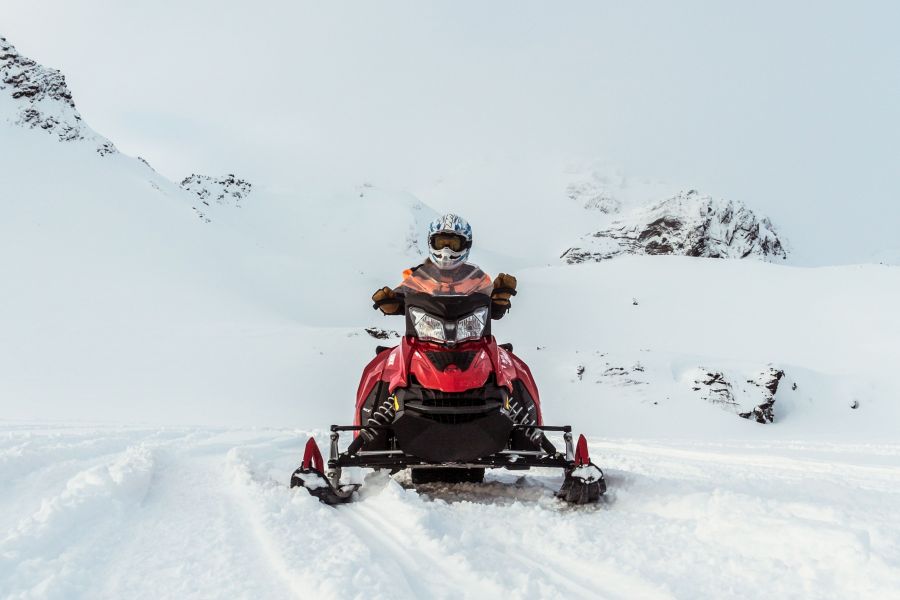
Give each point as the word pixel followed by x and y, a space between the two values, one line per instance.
pixel 455 242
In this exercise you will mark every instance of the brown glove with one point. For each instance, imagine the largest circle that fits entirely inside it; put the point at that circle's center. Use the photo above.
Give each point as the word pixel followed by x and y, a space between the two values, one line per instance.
pixel 504 289
pixel 387 301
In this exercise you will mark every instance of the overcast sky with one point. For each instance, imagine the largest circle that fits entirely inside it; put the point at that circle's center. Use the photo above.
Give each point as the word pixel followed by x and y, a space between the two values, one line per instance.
pixel 793 107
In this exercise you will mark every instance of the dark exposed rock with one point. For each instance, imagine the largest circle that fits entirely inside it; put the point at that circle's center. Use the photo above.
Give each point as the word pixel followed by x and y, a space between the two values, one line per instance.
pixel 713 387
pixel 688 224
pixel 226 190
pixel 768 380
pixel 755 400
pixel 106 149
pixel 381 334
pixel 622 376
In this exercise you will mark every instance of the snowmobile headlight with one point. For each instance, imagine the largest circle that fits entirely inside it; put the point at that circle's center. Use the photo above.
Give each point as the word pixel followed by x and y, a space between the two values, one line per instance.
pixel 471 327
pixel 427 327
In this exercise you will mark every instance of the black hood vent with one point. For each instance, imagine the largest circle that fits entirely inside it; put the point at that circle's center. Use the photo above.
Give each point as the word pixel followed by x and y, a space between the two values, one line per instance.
pixel 442 360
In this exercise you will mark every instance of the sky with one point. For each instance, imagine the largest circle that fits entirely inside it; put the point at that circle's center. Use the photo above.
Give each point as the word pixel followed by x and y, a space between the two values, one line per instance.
pixel 792 107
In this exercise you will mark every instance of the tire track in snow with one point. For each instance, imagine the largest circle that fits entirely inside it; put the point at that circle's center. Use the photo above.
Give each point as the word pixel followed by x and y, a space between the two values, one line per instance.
pixel 683 522
pixel 415 551
pixel 307 545
pixel 530 547
pixel 590 580
pixel 421 528
pixel 196 533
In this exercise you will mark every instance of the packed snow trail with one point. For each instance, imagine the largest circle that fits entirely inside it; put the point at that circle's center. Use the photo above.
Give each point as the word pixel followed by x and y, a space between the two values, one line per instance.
pixel 106 512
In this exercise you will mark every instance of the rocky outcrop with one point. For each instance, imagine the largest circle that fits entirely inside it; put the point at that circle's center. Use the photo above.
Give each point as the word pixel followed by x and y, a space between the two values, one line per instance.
pixel 381 334
pixel 212 192
pixel 41 99
pixel 714 388
pixel 767 382
pixel 688 224
pixel 753 399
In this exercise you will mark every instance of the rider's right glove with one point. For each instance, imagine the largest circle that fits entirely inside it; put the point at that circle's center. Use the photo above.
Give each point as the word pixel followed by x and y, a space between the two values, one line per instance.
pixel 387 301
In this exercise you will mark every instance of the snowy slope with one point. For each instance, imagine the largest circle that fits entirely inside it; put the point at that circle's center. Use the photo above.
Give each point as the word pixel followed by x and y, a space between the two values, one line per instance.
pixel 121 304
pixel 210 347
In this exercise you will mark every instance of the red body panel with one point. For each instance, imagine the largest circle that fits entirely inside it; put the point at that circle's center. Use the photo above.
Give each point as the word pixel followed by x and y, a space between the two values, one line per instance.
pixel 451 379
pixel 393 366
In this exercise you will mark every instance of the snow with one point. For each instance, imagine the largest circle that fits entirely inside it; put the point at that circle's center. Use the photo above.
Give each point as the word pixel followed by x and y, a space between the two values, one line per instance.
pixel 160 374
pixel 200 513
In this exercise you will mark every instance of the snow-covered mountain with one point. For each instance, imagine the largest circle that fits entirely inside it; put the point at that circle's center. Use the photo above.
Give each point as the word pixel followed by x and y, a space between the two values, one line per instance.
pixel 743 409
pixel 122 245
pixel 687 224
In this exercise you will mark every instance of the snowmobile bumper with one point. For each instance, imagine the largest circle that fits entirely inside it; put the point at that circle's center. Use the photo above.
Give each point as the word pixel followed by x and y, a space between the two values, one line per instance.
pixel 584 482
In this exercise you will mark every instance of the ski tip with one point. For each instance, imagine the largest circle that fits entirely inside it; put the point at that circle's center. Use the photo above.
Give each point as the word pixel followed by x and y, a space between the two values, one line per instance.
pixel 312 458
pixel 581 452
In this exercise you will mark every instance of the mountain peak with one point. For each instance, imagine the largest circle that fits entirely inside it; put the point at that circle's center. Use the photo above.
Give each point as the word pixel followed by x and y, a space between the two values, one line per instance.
pixel 42 100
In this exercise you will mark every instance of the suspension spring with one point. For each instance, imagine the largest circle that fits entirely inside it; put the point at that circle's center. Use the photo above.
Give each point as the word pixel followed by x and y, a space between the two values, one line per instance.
pixel 381 417
pixel 520 416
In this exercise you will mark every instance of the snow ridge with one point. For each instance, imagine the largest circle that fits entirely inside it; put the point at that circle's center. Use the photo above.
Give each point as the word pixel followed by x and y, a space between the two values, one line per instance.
pixel 687 224
pixel 42 100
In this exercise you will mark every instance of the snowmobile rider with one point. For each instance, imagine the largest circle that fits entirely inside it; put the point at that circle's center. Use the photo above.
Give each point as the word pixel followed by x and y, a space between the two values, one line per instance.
pixel 446 271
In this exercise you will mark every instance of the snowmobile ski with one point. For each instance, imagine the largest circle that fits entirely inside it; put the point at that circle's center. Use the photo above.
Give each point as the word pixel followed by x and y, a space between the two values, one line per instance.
pixel 311 476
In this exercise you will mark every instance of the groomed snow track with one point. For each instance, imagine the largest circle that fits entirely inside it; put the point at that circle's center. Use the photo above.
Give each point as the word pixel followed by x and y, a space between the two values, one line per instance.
pixel 105 512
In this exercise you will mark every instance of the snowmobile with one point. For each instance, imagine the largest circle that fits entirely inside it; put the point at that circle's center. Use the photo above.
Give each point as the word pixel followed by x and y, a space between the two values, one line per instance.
pixel 447 403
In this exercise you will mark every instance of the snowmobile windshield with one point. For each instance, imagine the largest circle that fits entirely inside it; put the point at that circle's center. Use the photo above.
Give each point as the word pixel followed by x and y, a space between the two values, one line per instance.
pixel 465 280
pixel 447 306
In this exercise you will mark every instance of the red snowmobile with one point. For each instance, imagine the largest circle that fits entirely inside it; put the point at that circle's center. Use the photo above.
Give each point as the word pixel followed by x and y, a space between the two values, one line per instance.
pixel 447 403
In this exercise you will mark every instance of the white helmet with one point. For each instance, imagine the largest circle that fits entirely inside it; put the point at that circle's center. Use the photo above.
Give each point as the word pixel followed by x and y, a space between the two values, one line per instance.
pixel 449 241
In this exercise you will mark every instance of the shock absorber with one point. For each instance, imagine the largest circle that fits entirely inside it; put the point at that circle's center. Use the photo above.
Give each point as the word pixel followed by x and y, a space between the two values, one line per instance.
pixel 520 417
pixel 381 417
